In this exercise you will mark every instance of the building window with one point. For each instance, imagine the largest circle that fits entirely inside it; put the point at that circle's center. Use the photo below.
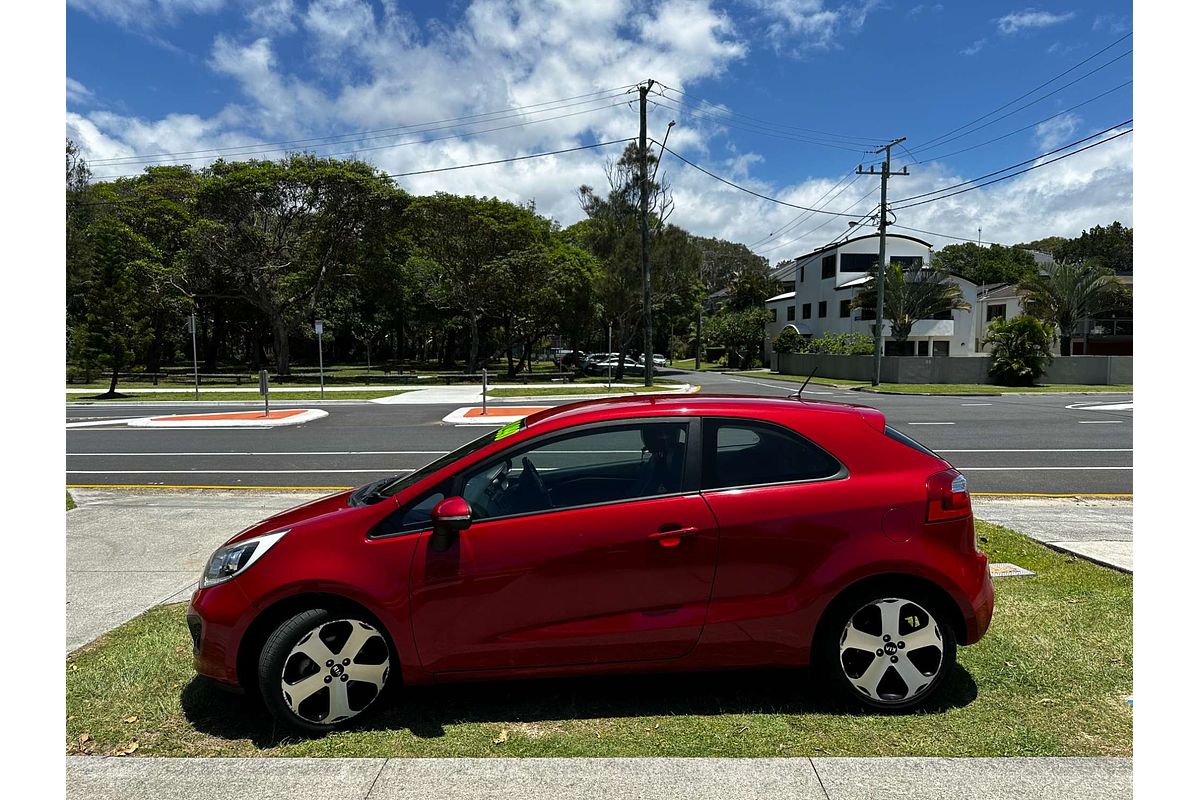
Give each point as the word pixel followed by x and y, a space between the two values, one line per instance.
pixel 807 313
pixel 859 262
pixel 922 348
pixel 995 312
pixel 821 309
pixel 908 262
pixel 788 286
pixel 774 315
pixel 844 308
pixel 791 313
pixel 947 314
pixel 866 314
pixel 801 273
pixel 941 348
pixel 829 266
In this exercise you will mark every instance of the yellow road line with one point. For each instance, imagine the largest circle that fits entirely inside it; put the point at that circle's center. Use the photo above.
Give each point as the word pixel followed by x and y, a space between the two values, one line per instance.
pixel 1041 494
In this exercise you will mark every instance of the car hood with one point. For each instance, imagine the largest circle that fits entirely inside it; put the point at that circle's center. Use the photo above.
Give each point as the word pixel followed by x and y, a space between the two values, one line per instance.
pixel 301 513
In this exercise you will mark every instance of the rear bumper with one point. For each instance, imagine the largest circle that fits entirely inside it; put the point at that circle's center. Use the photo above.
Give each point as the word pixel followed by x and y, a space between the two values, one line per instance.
pixel 982 602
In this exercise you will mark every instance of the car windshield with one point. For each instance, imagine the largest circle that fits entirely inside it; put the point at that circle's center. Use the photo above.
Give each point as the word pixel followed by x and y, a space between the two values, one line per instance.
pixel 393 485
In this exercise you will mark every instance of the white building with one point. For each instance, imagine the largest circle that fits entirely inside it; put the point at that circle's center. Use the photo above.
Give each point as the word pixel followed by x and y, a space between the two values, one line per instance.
pixel 818 289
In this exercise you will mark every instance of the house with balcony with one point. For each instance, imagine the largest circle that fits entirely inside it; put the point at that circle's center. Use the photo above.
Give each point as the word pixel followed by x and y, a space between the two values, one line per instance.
pixel 819 287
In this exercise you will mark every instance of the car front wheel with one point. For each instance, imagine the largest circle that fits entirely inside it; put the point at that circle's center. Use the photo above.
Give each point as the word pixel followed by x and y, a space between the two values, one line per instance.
pixel 321 669
pixel 888 651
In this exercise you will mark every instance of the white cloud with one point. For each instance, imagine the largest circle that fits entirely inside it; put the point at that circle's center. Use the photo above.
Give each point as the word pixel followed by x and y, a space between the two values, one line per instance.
pixel 144 13
pixel 973 48
pixel 271 16
pixel 1056 131
pixel 1031 18
pixel 810 24
pixel 77 93
pixel 1112 23
pixel 506 53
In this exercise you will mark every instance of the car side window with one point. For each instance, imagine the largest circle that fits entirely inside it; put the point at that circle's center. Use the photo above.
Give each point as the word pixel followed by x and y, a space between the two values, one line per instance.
pixel 416 515
pixel 603 465
pixel 748 453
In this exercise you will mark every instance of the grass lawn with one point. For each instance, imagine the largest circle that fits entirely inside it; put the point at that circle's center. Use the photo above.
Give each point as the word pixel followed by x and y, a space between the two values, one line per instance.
pixel 947 388
pixel 70 501
pixel 245 397
pixel 763 373
pixel 1049 678
pixel 596 388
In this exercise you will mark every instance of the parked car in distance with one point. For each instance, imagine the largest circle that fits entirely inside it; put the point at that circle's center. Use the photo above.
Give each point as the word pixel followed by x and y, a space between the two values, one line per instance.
pixel 658 359
pixel 602 367
pixel 621 535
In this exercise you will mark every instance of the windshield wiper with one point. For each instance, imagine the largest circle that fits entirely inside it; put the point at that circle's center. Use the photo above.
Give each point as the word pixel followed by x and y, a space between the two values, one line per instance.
pixel 372 492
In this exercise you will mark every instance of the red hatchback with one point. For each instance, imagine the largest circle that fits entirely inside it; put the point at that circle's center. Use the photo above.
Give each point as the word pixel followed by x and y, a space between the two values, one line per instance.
pixel 619 535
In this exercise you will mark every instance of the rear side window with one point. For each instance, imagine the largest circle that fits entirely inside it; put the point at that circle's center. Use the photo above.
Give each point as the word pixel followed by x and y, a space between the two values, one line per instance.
pixel 908 440
pixel 748 453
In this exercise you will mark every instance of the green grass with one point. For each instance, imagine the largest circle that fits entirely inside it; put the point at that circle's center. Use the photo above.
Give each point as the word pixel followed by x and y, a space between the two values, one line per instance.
pixel 544 391
pixel 70 501
pixel 1049 679
pixel 763 373
pixel 246 397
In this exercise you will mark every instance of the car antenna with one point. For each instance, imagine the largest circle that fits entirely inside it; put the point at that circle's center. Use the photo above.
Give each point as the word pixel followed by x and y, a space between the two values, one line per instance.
pixel 806 380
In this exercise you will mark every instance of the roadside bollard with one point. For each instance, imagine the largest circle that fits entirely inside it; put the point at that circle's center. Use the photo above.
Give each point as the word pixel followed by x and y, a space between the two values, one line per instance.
pixel 265 390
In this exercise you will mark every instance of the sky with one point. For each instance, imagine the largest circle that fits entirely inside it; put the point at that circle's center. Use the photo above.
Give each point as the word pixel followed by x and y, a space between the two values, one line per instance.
pixel 783 98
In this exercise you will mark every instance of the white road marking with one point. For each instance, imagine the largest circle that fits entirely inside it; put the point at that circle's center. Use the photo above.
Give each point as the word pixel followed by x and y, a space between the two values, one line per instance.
pixel 768 385
pixel 1101 406
pixel 108 421
pixel 285 453
pixel 931 423
pixel 226 471
pixel 1100 421
pixel 975 404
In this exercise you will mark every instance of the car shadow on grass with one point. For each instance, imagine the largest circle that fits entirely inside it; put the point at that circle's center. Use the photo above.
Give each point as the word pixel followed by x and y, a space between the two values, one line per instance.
pixel 426 710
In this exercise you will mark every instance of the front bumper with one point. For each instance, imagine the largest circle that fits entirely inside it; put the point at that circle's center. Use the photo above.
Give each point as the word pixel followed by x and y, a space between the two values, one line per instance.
pixel 216 619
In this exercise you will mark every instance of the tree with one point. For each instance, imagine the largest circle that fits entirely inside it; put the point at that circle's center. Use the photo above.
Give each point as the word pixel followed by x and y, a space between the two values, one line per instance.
pixel 740 330
pixel 284 231
pixel 113 325
pixel 789 340
pixel 1067 292
pixel 1020 349
pixel 457 245
pixel 982 265
pixel 1110 247
pixel 910 295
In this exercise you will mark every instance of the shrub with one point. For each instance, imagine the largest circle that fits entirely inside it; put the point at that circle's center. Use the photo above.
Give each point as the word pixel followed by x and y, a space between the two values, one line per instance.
pixel 843 344
pixel 1021 349
pixel 789 340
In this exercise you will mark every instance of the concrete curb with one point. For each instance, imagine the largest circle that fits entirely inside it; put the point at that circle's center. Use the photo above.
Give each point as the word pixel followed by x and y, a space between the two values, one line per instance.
pixel 459 416
pixel 1078 550
pixel 687 388
pixel 191 421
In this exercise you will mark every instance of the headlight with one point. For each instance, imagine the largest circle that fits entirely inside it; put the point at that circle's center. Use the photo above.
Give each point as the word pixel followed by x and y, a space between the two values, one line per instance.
pixel 228 561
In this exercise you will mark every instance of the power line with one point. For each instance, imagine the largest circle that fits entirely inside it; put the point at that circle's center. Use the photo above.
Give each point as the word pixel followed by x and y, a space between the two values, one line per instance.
pixel 216 151
pixel 722 110
pixel 677 107
pixel 972 240
pixel 1018 130
pixel 1027 105
pixel 749 191
pixel 457 135
pixel 931 142
pixel 813 230
pixel 1015 174
pixel 805 215
pixel 1018 164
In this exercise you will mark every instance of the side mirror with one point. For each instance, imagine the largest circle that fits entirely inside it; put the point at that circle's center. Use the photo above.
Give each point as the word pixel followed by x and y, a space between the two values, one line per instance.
pixel 450 517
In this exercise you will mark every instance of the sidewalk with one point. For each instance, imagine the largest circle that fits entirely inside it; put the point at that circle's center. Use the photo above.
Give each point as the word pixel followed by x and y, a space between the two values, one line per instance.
pixel 588 778
pixel 1099 530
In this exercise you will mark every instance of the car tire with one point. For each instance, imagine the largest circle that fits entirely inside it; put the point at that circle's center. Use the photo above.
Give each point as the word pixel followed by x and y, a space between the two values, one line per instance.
pixel 322 669
pixel 886 648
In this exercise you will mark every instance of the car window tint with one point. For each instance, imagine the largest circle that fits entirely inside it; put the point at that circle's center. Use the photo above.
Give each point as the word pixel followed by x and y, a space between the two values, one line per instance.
pixel 415 516
pixel 745 453
pixel 604 465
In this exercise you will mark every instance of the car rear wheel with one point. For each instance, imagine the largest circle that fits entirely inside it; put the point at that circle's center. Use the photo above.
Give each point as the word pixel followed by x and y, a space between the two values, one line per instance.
pixel 321 669
pixel 888 650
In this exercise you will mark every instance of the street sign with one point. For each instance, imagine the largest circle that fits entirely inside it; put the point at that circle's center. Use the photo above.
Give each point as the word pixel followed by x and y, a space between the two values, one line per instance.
pixel 262 382
pixel 319 326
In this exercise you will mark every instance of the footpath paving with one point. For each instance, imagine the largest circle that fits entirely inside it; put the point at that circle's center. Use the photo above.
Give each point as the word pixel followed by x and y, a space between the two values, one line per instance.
pixel 1097 529
pixel 588 778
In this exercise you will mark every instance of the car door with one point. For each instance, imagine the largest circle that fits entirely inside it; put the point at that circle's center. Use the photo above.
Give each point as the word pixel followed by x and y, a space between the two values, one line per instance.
pixel 607 554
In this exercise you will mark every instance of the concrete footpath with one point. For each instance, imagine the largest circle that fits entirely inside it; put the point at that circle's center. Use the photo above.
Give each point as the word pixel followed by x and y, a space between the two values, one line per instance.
pixel 1098 529
pixel 587 778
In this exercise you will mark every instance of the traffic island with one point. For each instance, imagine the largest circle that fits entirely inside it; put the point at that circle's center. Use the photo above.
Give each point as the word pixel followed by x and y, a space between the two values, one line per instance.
pixel 232 419
pixel 496 415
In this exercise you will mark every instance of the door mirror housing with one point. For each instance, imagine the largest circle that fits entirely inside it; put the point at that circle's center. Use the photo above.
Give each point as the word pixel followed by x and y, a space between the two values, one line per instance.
pixel 450 517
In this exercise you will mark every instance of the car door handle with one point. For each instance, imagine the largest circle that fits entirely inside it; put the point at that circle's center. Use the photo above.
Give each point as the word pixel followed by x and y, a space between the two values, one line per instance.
pixel 669 535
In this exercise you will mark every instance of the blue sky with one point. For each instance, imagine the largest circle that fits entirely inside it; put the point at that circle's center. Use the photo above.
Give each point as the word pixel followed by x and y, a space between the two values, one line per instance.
pixel 176 76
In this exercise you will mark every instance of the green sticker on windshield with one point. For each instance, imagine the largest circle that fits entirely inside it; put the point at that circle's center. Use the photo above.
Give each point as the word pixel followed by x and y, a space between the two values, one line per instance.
pixel 509 429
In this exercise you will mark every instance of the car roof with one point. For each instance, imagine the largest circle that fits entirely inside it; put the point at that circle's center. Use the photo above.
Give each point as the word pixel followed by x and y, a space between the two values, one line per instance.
pixel 695 405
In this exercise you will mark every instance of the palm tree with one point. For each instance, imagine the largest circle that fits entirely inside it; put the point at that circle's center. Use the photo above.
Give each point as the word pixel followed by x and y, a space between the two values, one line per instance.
pixel 1067 292
pixel 910 295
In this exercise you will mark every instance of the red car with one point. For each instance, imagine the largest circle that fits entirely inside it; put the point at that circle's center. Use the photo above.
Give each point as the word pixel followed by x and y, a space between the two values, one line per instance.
pixel 681 533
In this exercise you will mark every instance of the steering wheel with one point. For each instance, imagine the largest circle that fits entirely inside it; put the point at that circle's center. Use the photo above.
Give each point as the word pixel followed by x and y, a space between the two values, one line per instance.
pixel 538 483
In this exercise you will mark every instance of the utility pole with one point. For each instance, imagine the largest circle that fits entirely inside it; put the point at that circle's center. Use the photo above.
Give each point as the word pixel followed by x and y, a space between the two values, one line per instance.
pixel 648 332
pixel 884 174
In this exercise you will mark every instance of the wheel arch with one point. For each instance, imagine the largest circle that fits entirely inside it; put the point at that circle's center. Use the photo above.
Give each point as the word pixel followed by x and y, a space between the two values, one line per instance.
pixel 893 581
pixel 271 617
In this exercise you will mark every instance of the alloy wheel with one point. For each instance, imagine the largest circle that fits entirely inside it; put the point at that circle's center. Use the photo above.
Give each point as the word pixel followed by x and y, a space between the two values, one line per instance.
pixel 891 651
pixel 335 671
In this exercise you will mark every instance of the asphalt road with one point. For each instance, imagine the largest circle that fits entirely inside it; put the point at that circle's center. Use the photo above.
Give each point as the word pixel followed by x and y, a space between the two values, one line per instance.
pixel 1050 443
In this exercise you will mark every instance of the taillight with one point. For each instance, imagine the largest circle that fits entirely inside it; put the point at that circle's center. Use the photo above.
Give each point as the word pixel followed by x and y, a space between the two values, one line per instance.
pixel 947 495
